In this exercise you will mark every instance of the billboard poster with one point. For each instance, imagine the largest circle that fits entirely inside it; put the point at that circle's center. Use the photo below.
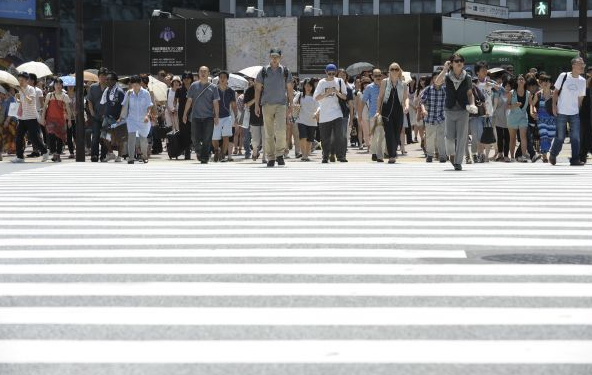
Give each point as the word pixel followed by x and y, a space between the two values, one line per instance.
pixel 205 44
pixel 18 9
pixel 248 41
pixel 167 45
pixel 319 43
pixel 131 54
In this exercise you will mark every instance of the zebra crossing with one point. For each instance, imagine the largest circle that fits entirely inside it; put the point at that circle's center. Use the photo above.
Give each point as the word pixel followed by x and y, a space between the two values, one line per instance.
pixel 179 268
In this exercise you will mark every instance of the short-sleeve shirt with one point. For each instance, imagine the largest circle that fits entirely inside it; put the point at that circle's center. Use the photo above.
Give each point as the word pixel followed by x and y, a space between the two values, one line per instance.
pixel 114 102
pixel 371 97
pixel 573 88
pixel 329 106
pixel 29 108
pixel 95 93
pixel 254 120
pixel 274 85
pixel 203 97
pixel 226 98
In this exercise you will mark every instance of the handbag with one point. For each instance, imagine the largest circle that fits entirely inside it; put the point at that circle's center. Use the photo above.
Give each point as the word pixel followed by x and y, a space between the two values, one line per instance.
pixel 479 103
pixel 343 102
pixel 246 119
pixel 488 137
pixel 14 109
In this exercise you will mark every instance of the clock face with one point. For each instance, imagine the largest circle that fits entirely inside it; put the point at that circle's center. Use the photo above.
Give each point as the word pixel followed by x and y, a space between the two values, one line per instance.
pixel 203 33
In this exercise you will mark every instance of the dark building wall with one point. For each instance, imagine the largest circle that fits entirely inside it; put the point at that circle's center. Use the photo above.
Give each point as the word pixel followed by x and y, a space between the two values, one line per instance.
pixel 96 12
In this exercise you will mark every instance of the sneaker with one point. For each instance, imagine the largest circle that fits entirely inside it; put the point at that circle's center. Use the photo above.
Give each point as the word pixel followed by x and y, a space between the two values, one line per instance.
pixel 298 156
pixel 342 160
pixel 392 161
pixel 204 161
pixel 17 160
pixel 475 158
pixel 481 159
pixel 578 163
pixel 264 161
pixel 325 161
pixel 271 163
pixel 429 159
pixel 131 161
pixel 118 159
pixel 34 154
pixel 286 156
pixel 443 160
pixel 280 160
pixel 468 160
pixel 332 158
pixel 552 159
pixel 536 158
pixel 303 159
pixel 45 157
pixel 457 167
pixel 507 159
pixel 374 158
pixel 110 157
pixel 94 159
pixel 379 160
pixel 247 156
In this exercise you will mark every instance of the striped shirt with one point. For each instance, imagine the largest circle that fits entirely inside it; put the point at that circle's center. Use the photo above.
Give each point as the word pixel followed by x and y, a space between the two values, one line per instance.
pixel 434 99
pixel 29 107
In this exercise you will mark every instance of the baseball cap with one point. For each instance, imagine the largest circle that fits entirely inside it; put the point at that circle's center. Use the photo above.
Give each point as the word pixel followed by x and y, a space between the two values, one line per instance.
pixel 275 52
pixel 331 68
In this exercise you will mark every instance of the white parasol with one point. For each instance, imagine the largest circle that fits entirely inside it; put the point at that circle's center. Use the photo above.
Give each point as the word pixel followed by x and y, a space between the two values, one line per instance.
pixel 8 79
pixel 38 68
pixel 235 82
pixel 251 71
pixel 158 88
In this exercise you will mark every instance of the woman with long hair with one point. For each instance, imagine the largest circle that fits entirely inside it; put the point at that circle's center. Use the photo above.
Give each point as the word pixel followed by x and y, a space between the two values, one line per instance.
pixel 393 105
pixel 307 117
pixel 517 116
pixel 539 107
pixel 56 117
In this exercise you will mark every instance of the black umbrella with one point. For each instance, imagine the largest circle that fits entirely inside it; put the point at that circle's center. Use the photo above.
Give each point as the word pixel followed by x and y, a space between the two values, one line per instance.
pixel 359 67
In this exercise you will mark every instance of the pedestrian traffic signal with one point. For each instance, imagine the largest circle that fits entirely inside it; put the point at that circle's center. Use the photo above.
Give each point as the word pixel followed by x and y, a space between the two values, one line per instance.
pixel 541 9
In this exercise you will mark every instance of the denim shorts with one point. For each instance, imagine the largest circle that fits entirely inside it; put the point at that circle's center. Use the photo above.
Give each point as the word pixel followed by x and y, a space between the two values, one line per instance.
pixel 307 132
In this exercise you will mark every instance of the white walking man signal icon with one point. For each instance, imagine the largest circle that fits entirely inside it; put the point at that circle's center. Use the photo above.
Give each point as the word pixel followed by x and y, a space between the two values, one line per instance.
pixel 541 9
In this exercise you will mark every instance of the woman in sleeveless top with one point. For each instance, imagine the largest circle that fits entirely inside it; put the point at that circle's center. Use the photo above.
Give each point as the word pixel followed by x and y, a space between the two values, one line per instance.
pixel 517 116
pixel 393 105
pixel 545 120
pixel 56 116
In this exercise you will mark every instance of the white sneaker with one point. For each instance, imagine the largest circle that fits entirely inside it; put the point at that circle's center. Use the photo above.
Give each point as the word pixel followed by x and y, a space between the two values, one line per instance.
pixel 45 157
pixel 110 157
pixel 118 159
pixel 17 160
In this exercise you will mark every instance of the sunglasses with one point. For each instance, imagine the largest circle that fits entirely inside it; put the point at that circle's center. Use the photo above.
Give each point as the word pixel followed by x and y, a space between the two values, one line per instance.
pixel 458 61
pixel 394 69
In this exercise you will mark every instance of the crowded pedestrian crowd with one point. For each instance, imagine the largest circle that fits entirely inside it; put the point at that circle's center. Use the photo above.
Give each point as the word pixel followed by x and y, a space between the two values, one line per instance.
pixel 455 115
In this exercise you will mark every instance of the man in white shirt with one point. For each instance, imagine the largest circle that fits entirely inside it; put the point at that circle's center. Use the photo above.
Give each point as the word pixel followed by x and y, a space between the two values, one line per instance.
pixel 327 93
pixel 570 89
pixel 28 123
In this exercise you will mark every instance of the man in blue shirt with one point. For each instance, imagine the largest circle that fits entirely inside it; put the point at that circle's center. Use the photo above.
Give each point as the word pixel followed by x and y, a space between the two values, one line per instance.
pixel 223 131
pixel 371 97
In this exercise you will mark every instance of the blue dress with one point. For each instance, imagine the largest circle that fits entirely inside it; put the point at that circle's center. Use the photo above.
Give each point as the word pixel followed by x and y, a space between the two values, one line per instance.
pixel 517 117
pixel 546 125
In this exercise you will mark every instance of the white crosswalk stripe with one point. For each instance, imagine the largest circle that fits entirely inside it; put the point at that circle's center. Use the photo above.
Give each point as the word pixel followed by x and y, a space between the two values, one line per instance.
pixel 308 269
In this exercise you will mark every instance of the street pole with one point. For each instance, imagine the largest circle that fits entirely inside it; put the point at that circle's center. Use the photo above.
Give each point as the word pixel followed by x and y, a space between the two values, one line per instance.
pixel 583 29
pixel 79 65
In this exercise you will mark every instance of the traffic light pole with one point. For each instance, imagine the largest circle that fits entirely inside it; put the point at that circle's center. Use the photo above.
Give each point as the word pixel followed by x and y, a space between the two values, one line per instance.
pixel 583 29
pixel 79 67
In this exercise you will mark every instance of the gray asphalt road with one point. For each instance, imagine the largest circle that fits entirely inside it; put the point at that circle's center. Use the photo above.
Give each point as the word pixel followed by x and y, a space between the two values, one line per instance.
pixel 178 268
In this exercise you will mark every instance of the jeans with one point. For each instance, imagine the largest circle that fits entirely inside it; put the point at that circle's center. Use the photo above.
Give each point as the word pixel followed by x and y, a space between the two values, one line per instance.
pixel 331 130
pixel 202 130
pixel 457 133
pixel 97 124
pixel 574 135
pixel 31 128
pixel 339 148
pixel 247 141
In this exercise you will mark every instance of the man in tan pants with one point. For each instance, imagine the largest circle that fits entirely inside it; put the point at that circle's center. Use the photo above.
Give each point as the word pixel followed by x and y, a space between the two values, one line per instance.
pixel 275 81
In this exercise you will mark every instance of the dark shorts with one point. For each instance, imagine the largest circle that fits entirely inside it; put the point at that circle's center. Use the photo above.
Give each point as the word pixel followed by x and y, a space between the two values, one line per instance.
pixel 307 132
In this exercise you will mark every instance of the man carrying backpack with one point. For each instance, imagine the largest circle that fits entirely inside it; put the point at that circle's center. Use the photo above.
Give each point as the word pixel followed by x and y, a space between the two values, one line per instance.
pixel 275 81
pixel 570 90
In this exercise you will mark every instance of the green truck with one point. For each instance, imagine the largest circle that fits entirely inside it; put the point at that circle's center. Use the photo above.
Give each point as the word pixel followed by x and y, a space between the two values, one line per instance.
pixel 517 49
